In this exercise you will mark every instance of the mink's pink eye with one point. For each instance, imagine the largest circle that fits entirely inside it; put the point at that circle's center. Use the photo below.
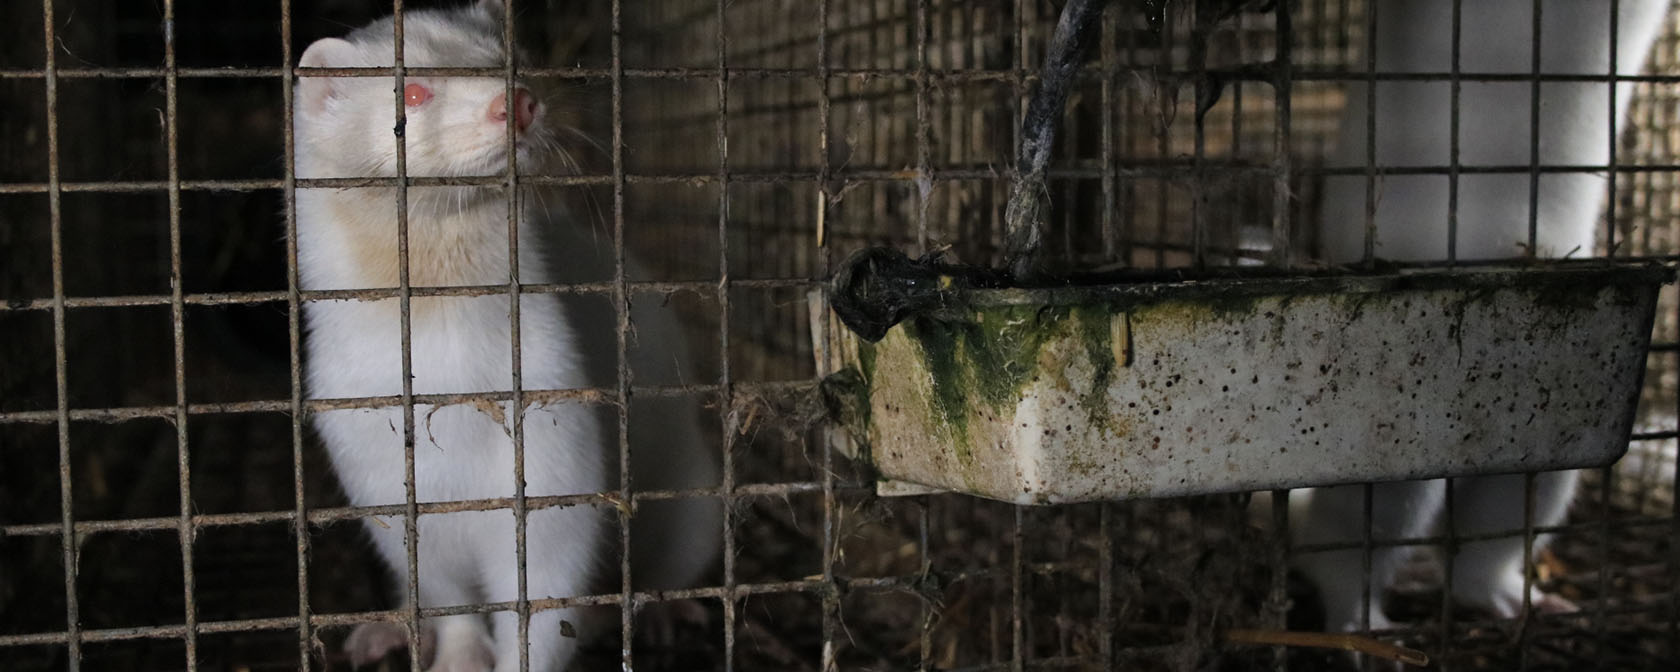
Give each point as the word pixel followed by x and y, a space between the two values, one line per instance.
pixel 415 95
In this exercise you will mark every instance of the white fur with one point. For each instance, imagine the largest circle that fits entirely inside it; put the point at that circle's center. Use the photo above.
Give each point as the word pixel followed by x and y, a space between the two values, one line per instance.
pixel 1413 129
pixel 347 239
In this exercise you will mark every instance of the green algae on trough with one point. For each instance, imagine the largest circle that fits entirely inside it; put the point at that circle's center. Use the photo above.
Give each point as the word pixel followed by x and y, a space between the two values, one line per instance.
pixel 956 384
pixel 987 360
pixel 1158 389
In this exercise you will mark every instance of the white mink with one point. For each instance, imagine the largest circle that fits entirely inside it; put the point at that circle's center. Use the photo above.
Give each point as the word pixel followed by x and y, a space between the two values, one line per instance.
pixel 347 239
pixel 1413 127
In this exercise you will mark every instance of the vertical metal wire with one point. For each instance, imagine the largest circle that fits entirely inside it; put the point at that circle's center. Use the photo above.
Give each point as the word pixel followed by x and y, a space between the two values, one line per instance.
pixel 924 565
pixel 830 592
pixel 1370 254
pixel 1198 156
pixel 1128 190
pixel 1019 79
pixel 621 306
pixel 1017 657
pixel 1449 555
pixel 1534 90
pixel 924 151
pixel 1600 631
pixel 1163 134
pixel 61 378
pixel 1615 123
pixel 1071 131
pixel 294 338
pixel 1452 138
pixel 1283 83
pixel 1608 481
pixel 411 513
pixel 1277 598
pixel 1109 178
pixel 726 390
pixel 1527 567
pixel 1367 510
pixel 1105 586
pixel 880 126
pixel 1674 539
pixel 521 513
pixel 1236 152
pixel 1017 608
pixel 177 318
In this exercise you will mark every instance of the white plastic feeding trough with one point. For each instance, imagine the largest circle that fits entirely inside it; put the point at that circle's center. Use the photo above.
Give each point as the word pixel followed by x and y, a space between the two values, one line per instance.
pixel 1121 391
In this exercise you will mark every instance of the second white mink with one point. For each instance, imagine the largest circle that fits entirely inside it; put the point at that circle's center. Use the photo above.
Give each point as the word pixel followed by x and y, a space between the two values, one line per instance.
pixel 347 239
pixel 1410 217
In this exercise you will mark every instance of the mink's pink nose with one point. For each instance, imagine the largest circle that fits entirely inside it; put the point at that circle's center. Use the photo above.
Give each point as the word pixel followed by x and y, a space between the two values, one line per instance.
pixel 524 108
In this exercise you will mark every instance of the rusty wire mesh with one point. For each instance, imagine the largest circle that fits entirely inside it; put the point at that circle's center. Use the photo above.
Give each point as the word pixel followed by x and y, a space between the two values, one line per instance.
pixel 150 395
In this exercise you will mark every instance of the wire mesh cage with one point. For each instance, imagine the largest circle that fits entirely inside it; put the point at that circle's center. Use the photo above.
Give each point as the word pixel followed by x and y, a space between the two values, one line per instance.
pixel 168 505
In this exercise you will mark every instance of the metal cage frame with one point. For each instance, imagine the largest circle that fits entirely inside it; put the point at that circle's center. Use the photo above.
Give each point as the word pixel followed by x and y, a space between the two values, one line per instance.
pixel 832 584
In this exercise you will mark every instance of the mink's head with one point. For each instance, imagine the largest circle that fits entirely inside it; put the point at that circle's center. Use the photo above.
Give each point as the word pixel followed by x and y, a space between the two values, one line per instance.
pixel 455 126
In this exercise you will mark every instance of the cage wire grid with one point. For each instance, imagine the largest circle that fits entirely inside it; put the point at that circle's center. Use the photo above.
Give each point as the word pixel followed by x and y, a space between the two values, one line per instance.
pixel 890 84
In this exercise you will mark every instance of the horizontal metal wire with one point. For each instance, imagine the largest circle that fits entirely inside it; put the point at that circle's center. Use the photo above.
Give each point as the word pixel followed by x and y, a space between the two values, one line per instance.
pixel 1629 607
pixel 1142 168
pixel 1456 538
pixel 378 293
pixel 328 515
pixel 322 516
pixel 832 582
pixel 605 288
pixel 590 395
pixel 912 582
pixel 1006 76
pixel 318 620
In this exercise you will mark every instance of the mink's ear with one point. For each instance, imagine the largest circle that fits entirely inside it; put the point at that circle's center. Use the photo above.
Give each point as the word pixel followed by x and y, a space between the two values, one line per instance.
pixel 313 92
pixel 493 9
